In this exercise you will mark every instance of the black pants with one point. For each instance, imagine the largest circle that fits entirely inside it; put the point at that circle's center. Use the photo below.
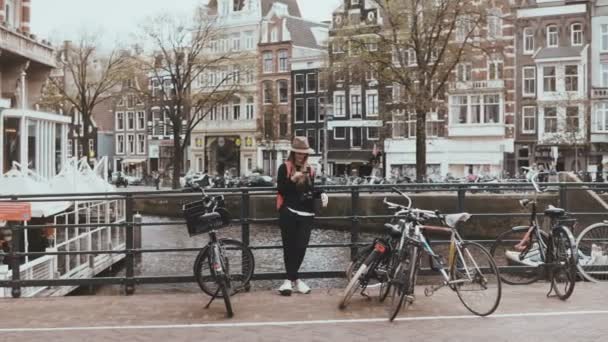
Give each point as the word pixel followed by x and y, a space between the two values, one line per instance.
pixel 295 231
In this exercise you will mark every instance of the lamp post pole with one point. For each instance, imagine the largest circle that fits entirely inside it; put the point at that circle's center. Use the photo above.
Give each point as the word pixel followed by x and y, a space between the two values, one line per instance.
pixel 326 110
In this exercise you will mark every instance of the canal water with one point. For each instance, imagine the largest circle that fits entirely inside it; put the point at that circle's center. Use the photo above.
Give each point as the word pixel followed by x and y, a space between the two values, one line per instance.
pixel 180 263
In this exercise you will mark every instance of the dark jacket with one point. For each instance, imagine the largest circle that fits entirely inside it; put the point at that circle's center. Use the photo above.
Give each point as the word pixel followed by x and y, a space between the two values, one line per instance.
pixel 296 197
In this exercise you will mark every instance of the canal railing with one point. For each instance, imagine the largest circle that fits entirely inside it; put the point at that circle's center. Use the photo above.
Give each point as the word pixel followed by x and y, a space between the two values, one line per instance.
pixel 132 224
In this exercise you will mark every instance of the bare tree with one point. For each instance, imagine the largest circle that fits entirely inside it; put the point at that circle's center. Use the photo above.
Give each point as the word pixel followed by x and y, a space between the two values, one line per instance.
pixel 189 74
pixel 419 46
pixel 85 78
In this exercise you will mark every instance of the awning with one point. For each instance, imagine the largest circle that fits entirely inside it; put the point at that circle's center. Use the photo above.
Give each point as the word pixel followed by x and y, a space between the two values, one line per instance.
pixel 133 161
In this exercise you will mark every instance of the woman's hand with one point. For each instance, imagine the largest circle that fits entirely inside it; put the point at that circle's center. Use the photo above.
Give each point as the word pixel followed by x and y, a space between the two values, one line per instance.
pixel 324 200
pixel 297 176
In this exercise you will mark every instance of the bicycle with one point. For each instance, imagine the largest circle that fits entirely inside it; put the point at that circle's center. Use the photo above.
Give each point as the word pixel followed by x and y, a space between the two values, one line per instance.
pixel 374 263
pixel 218 273
pixel 529 253
pixel 592 247
pixel 463 274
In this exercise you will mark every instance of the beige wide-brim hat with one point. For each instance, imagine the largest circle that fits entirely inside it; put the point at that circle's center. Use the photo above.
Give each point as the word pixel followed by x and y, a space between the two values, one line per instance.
pixel 300 145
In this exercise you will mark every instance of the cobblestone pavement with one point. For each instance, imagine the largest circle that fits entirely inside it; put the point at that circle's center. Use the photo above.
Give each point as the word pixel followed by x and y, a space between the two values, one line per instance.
pixel 525 314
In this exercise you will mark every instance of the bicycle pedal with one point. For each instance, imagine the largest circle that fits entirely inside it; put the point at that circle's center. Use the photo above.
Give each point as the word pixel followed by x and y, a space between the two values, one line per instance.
pixel 429 291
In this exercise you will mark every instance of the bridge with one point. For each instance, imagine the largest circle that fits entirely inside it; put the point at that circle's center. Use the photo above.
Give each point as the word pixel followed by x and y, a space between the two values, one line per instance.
pixel 525 314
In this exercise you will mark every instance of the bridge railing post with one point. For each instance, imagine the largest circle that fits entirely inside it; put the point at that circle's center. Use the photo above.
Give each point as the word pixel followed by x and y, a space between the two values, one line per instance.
pixel 355 223
pixel 129 262
pixel 461 197
pixel 245 225
pixel 15 260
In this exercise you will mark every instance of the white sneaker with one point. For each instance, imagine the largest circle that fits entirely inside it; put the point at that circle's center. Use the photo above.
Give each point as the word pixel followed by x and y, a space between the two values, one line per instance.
pixel 286 289
pixel 301 287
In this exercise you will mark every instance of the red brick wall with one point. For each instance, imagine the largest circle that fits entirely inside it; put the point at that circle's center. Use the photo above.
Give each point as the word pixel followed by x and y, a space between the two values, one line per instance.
pixel 25 15
pixel 1 11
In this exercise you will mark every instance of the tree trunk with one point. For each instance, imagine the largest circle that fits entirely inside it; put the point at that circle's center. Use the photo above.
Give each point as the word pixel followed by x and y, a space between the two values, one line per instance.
pixel 420 145
pixel 177 155
pixel 85 140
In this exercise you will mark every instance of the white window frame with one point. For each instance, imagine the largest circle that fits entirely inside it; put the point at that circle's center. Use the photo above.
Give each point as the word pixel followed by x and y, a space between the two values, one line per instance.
pixel 131 152
pixel 143 116
pixel 551 35
pixel 577 34
pixel 464 72
pixel 523 119
pixel 295 112
pixel 315 105
pixel 554 77
pixel 528 35
pixel 352 135
pixel 295 84
pixel 342 112
pixel 600 118
pixel 370 138
pixel 286 82
pixel 250 108
pixel 556 120
pixel 315 83
pixel 338 138
pixel 141 138
pixel 352 106
pixel 266 69
pixel 495 25
pixel 127 123
pixel 119 121
pixel 482 107
pixel 283 56
pixel 524 79
pixel 124 144
pixel 604 74
pixel 497 68
pixel 604 37
pixel 576 77
pixel 372 111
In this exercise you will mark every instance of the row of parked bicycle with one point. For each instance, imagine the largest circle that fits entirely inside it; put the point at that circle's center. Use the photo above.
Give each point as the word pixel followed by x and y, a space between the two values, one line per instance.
pixel 391 264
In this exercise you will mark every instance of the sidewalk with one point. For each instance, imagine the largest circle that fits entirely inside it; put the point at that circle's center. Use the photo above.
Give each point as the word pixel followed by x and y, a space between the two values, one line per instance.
pixel 266 316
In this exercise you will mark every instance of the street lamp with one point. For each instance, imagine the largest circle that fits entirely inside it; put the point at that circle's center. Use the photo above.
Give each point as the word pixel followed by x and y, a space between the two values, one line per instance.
pixel 328 115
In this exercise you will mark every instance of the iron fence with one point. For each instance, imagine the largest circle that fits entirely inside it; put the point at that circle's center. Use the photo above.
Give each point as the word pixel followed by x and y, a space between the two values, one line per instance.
pixel 131 251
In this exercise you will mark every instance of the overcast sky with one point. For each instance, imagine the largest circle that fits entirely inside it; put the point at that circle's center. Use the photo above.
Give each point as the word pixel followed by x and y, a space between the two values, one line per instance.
pixel 116 19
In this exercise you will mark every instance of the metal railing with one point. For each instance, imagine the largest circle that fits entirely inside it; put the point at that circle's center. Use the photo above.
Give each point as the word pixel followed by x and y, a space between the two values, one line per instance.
pixel 355 218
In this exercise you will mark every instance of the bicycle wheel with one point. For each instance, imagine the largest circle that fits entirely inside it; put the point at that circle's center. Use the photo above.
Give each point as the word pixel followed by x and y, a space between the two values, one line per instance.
pixel 353 285
pixel 404 281
pixel 476 277
pixel 563 275
pixel 592 247
pixel 359 259
pixel 515 268
pixel 240 264
pixel 225 288
pixel 391 267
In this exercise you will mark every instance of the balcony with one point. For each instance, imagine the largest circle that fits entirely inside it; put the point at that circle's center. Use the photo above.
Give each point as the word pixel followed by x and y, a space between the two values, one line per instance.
pixel 599 93
pixel 25 45
pixel 478 85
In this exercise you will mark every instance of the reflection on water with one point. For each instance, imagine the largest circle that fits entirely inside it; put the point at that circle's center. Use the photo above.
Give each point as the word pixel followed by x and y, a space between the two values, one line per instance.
pixel 180 263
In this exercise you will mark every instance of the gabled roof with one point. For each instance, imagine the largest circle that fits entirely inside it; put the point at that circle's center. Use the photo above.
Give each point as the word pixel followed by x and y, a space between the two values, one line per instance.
pixel 302 33
pixel 292 7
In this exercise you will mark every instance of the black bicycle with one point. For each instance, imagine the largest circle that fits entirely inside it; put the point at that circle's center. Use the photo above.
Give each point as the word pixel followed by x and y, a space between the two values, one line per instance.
pixel 527 253
pixel 223 267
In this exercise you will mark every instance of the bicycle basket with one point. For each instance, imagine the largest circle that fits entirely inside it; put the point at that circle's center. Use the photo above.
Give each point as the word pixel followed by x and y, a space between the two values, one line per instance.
pixel 199 220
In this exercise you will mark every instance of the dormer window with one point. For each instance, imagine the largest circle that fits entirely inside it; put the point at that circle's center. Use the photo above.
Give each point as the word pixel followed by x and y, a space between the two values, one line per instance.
pixel 9 13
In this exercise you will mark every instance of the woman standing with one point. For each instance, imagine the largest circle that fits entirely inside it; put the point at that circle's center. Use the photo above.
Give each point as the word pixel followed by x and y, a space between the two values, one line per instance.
pixel 295 202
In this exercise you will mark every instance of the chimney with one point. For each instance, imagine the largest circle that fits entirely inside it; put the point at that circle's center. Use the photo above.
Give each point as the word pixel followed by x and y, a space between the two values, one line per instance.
pixel 25 15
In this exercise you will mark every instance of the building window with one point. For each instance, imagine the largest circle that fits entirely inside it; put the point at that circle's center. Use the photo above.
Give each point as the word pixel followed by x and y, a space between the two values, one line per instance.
pixel 339 133
pixel 463 72
pixel 571 78
pixel 130 121
pixel 372 105
pixel 355 105
pixel 141 120
pixel 311 109
pixel 283 124
pixel 131 143
pixel 299 110
pixel 373 133
pixel 529 81
pixel 464 26
pixel 491 108
pixel 283 93
pixel 604 71
pixel 249 41
pixel 311 83
pixel 601 117
pixel 459 109
pixel 552 36
pixel 604 34
pixel 250 108
pixel 528 120
pixel 299 84
pixel 120 121
pixel 130 101
pixel 300 133
pixel 120 144
pixel 267 62
pixel 274 35
pixel 236 109
pixel 356 134
pixel 476 110
pixel 495 70
pixel 141 144
pixel 528 40
pixel 238 5
pixel 283 61
pixel 549 82
pixel 267 92
pixel 268 131
pixel 339 107
pixel 371 74
pixel 236 42
pixel 577 34
pixel 550 120
pixel 311 134
pixel 322 108
pixel 572 120
pixel 494 24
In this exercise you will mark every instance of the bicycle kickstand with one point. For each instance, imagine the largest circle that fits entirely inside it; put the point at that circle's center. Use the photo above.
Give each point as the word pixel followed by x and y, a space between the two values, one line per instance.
pixel 212 298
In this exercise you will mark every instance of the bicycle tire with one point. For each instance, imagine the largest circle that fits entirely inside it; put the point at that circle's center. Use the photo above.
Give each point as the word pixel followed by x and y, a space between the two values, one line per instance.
pixel 404 281
pixel 225 288
pixel 385 287
pixel 352 286
pixel 484 275
pixel 202 267
pixel 503 257
pixel 563 274
pixel 592 248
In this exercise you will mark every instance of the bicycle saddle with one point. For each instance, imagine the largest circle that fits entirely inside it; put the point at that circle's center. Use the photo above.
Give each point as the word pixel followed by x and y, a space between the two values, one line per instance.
pixel 453 219
pixel 392 230
pixel 554 212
